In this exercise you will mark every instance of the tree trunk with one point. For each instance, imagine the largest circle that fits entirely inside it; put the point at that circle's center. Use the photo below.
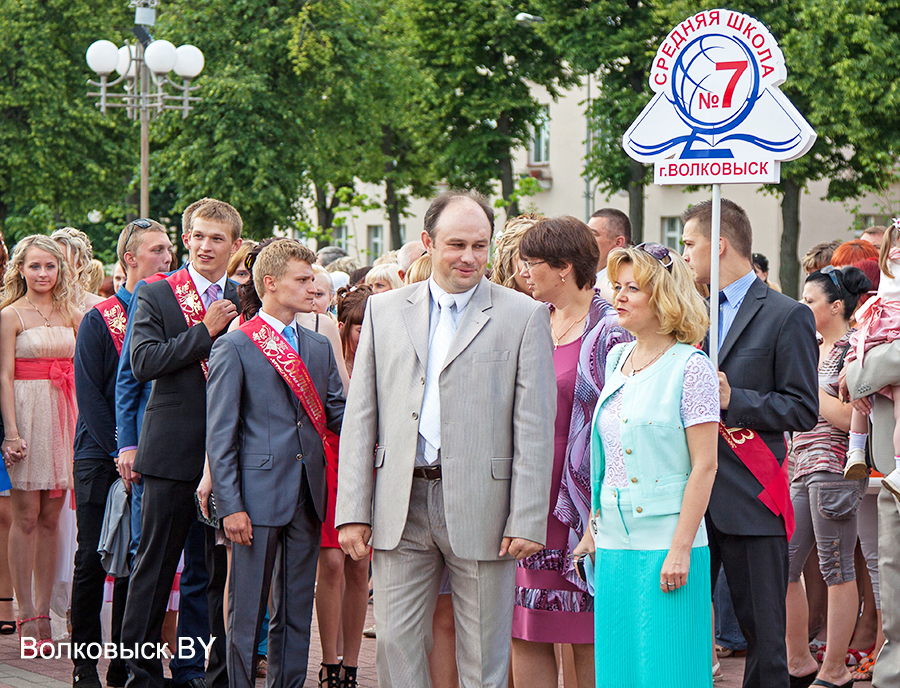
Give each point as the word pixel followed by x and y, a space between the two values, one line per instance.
pixel 390 192
pixel 636 201
pixel 507 182
pixel 789 265
pixel 324 214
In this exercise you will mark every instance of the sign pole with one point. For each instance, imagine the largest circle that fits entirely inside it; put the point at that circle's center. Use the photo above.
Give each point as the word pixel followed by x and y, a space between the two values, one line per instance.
pixel 714 234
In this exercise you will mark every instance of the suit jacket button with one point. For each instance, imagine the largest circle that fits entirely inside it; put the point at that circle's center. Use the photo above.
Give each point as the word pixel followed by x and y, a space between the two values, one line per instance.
pixel 628 451
pixel 422 380
pixel 634 480
pixel 299 423
pixel 640 510
pixel 415 416
pixel 299 457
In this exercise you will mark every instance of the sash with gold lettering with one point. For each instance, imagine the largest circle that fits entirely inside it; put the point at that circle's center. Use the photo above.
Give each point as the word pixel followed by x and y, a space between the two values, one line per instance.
pixel 291 368
pixel 761 462
pixel 115 318
pixel 190 304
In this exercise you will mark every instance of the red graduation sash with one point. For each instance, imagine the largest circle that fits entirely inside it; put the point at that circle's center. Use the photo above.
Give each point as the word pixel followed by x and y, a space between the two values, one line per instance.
pixel 115 318
pixel 289 365
pixel 190 304
pixel 761 462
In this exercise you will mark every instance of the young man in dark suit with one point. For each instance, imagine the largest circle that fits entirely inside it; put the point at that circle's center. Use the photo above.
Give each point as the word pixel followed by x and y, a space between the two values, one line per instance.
pixel 175 322
pixel 768 384
pixel 276 389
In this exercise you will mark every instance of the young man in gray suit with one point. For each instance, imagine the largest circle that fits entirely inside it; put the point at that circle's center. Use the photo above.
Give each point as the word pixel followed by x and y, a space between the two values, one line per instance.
pixel 447 455
pixel 274 391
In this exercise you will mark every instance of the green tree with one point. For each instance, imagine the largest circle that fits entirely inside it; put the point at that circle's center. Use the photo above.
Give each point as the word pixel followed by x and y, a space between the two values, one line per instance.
pixel 476 104
pixel 59 157
pixel 843 61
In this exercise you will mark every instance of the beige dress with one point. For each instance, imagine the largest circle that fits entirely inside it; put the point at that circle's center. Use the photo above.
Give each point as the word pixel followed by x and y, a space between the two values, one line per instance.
pixel 45 416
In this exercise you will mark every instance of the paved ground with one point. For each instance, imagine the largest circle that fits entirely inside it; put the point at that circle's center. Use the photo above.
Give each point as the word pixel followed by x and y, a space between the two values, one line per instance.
pixel 57 673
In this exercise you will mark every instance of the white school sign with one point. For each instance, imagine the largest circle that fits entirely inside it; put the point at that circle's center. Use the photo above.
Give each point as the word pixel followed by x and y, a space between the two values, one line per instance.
pixel 718 116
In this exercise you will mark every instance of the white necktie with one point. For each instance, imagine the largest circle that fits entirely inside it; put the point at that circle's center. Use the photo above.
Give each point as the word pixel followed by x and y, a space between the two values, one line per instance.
pixel 430 419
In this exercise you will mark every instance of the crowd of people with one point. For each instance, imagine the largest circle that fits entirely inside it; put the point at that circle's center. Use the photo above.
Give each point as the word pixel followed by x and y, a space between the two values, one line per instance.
pixel 506 443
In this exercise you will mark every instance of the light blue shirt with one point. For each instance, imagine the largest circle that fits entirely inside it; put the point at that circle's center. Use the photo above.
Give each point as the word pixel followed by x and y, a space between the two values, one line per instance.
pixel 278 326
pixel 734 297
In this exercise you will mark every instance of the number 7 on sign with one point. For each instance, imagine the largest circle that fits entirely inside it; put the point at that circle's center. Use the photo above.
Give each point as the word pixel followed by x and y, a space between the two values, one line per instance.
pixel 739 68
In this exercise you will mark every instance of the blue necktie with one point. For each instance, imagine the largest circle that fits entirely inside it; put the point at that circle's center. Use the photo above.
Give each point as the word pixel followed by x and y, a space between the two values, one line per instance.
pixel 290 334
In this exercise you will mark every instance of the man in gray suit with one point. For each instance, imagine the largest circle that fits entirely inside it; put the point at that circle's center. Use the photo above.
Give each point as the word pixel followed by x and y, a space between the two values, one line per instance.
pixel 274 389
pixel 452 403
pixel 882 367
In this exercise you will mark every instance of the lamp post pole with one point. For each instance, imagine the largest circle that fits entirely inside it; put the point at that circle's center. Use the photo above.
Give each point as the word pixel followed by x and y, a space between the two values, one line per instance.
pixel 143 69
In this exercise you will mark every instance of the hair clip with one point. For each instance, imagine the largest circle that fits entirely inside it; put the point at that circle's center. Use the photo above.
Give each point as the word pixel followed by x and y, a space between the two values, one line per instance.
pixel 895 223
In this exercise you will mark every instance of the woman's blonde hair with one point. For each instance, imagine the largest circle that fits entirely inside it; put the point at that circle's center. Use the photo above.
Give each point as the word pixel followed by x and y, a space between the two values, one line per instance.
pixel 79 244
pixel 420 270
pixel 239 257
pixel 96 273
pixel 15 287
pixel 389 272
pixel 674 298
pixel 506 250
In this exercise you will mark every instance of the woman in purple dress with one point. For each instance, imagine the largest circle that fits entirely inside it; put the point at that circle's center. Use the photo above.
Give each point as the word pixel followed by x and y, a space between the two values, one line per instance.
pixel 552 604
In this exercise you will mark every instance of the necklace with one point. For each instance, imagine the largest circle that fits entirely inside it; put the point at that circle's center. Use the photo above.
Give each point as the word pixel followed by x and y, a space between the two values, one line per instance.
pixel 46 319
pixel 651 361
pixel 557 340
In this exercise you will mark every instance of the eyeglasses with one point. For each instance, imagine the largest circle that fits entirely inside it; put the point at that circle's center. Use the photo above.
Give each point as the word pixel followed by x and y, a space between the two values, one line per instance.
pixel 142 223
pixel 531 263
pixel 658 251
pixel 833 273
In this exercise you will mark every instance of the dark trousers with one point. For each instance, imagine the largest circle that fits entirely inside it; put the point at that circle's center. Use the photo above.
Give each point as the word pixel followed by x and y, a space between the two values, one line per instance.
pixel 757 572
pixel 193 611
pixel 93 478
pixel 217 569
pixel 291 552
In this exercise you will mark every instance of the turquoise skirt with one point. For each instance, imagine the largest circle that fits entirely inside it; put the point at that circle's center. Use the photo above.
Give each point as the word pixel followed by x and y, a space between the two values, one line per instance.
pixel 667 637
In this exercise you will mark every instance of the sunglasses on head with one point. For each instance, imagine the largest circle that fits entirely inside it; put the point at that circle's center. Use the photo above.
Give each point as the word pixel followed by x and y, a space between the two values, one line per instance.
pixel 658 251
pixel 142 223
pixel 833 273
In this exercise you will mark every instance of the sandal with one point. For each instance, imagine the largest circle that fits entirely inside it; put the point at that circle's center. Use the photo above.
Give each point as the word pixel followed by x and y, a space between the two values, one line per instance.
pixel 863 670
pixel 330 676
pixel 41 642
pixel 854 657
pixel 717 674
pixel 350 677
pixel 7 627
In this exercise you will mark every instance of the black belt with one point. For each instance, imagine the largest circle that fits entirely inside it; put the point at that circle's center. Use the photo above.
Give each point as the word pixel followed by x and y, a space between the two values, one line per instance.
pixel 427 472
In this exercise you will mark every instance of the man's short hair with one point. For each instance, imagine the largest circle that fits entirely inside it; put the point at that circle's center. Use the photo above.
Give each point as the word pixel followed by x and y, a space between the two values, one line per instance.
pixel 221 212
pixel 273 261
pixel 819 255
pixel 130 238
pixel 734 225
pixel 328 254
pixel 617 223
pixel 877 229
pixel 442 202
pixel 188 213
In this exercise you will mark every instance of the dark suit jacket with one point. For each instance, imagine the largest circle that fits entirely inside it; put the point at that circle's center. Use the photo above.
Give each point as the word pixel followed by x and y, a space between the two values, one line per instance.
pixel 770 357
pixel 259 437
pixel 168 353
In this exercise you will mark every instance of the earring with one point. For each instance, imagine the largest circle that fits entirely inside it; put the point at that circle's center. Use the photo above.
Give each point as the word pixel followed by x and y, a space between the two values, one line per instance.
pixel 563 279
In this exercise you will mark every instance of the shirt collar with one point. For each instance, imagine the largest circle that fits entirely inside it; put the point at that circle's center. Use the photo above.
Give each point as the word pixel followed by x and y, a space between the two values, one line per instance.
pixel 202 284
pixel 124 296
pixel 462 300
pixel 737 290
pixel 273 322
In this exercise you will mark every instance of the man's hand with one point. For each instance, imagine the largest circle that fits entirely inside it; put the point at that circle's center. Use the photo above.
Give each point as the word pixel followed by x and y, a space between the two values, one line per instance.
pixel 238 528
pixel 124 463
pixel 218 315
pixel 724 391
pixel 863 405
pixel 519 547
pixel 354 540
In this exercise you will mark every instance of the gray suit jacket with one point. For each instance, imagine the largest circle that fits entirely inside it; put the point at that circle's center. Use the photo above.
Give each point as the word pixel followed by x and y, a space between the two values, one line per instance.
pixel 882 367
pixel 258 437
pixel 498 406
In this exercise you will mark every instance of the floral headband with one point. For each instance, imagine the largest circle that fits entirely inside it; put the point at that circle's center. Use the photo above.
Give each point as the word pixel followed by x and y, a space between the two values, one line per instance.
pixel 895 223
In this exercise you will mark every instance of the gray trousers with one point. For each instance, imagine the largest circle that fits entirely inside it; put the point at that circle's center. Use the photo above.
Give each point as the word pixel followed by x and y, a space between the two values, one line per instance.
pixel 406 582
pixel 887 666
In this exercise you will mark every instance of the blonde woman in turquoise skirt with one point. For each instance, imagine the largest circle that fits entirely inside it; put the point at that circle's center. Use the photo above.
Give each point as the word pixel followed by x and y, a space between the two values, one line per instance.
pixel 653 462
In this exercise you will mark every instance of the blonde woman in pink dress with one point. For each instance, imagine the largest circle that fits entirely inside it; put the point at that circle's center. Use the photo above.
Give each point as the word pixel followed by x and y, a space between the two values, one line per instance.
pixel 38 322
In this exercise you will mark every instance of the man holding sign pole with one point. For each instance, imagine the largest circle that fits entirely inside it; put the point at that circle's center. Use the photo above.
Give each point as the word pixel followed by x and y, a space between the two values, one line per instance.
pixel 768 385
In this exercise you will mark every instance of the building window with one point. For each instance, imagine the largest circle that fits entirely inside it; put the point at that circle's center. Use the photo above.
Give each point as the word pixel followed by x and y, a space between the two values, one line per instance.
pixel 671 232
pixel 540 140
pixel 339 236
pixel 865 221
pixel 376 242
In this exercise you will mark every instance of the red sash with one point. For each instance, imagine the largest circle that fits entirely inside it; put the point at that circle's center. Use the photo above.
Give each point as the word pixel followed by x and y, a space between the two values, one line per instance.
pixel 115 318
pixel 190 304
pixel 761 462
pixel 291 368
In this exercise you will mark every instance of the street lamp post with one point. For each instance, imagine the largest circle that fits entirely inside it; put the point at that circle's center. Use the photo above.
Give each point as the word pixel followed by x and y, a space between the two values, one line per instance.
pixel 143 68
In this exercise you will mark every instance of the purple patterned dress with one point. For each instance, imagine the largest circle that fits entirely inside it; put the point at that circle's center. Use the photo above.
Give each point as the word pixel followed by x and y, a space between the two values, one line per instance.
pixel 551 603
